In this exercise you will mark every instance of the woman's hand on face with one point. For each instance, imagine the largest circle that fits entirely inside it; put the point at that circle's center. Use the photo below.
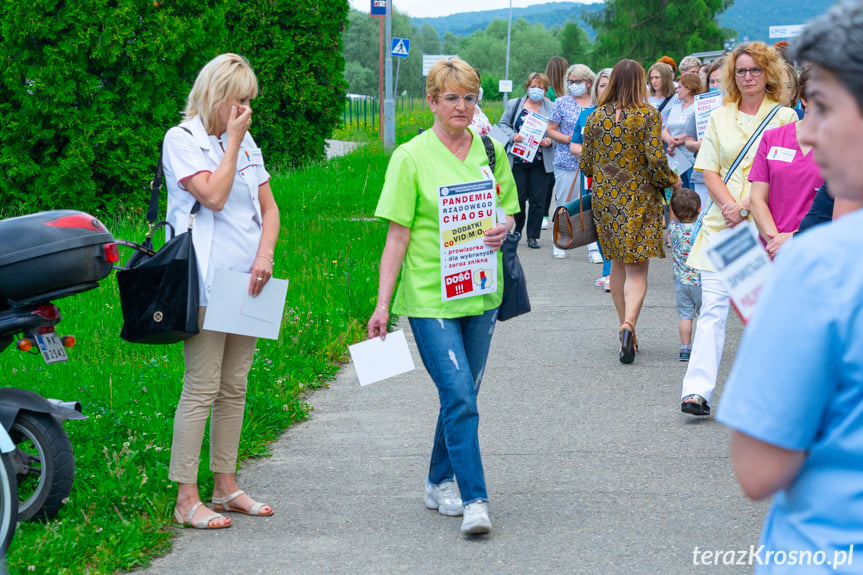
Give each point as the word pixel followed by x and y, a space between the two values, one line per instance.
pixel 517 138
pixel 495 236
pixel 262 271
pixel 377 325
pixel 239 122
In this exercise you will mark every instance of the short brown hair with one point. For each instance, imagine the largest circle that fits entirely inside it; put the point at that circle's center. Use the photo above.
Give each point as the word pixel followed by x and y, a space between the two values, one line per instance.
pixel 693 83
pixel 685 204
pixel 627 87
pixel 537 76
pixel 455 73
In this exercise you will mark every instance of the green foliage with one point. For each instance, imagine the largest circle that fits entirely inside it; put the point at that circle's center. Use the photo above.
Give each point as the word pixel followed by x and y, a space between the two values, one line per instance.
pixel 119 512
pixel 645 30
pixel 89 88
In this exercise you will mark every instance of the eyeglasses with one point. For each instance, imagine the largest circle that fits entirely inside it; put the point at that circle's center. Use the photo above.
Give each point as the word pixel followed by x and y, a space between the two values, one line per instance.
pixel 754 72
pixel 571 82
pixel 452 98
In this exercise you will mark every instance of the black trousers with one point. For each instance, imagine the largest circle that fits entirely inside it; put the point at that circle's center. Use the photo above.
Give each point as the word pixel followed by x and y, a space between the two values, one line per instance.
pixel 532 183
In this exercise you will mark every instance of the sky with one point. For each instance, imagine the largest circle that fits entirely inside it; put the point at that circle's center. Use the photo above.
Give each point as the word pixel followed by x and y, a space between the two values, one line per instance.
pixel 433 8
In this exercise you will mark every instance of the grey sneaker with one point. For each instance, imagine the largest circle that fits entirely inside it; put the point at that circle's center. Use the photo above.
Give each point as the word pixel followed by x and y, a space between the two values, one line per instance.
pixel 444 498
pixel 476 519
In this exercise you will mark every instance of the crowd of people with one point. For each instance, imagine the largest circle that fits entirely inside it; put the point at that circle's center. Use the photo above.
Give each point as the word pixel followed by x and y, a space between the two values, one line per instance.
pixel 629 137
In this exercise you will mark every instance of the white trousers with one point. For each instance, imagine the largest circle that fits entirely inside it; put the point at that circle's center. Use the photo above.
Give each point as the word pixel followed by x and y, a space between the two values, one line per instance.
pixel 562 184
pixel 709 339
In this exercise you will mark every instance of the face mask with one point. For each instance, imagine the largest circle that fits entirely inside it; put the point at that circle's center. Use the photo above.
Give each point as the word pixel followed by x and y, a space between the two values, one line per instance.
pixel 578 89
pixel 535 94
pixel 479 96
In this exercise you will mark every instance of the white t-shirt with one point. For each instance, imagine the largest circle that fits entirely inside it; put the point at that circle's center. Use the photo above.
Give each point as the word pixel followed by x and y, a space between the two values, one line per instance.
pixel 678 117
pixel 227 239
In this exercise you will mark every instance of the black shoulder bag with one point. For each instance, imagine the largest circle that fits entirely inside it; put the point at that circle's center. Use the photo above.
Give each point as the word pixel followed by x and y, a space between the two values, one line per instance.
pixel 159 288
pixel 515 300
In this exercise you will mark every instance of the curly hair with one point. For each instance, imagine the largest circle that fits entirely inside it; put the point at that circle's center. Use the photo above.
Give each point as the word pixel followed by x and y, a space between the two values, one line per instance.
pixel 765 57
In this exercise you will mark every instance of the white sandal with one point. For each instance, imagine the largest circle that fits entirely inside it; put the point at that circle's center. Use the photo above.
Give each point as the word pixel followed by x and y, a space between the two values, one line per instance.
pixel 225 505
pixel 201 523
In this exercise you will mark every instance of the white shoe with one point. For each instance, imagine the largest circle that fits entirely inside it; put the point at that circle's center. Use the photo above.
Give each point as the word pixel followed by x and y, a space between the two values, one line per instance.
pixel 601 281
pixel 544 225
pixel 444 498
pixel 558 253
pixel 476 519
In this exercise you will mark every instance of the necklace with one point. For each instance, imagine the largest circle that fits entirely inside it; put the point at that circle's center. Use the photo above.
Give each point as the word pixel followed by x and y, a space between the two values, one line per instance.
pixel 457 153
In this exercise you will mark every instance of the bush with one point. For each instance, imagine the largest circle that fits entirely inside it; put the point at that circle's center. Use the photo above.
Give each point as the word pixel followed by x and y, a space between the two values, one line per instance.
pixel 88 89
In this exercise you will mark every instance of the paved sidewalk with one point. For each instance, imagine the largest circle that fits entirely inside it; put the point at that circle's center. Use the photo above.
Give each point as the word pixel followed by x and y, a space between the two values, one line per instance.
pixel 591 468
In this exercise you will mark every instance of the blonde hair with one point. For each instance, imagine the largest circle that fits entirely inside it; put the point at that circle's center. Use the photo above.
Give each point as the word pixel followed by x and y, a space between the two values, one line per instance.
pixel 581 72
pixel 224 77
pixel 455 73
pixel 594 90
pixel 765 57
pixel 666 74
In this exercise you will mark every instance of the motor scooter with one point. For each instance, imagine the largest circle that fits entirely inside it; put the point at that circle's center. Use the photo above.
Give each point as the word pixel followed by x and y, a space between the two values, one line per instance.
pixel 44 257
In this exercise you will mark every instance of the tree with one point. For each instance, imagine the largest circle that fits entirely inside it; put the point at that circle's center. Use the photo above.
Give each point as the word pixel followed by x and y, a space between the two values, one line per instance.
pixel 645 30
pixel 574 44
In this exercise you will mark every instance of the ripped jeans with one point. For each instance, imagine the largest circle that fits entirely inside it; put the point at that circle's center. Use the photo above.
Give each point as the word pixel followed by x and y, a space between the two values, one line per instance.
pixel 454 352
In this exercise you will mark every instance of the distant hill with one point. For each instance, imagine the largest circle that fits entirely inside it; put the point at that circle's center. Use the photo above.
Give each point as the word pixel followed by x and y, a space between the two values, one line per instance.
pixel 745 18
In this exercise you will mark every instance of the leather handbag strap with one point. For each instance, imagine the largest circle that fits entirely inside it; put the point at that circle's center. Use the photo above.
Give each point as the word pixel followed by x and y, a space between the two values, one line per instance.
pixel 761 127
pixel 572 187
pixel 156 188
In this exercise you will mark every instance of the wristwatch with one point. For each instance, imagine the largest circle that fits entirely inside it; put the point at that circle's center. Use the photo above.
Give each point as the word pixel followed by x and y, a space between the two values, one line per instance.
pixel 744 212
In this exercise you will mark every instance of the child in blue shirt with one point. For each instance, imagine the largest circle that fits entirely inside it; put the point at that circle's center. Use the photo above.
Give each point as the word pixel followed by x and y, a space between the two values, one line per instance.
pixel 684 208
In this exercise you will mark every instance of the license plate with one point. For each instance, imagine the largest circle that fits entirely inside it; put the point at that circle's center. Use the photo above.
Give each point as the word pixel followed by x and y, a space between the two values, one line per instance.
pixel 51 347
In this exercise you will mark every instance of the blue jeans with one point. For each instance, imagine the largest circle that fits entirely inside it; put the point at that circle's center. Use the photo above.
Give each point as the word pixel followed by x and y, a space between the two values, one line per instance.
pixel 454 352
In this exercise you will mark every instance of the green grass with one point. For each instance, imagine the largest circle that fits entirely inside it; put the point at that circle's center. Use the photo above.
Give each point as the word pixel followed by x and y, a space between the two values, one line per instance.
pixel 121 504
pixel 119 512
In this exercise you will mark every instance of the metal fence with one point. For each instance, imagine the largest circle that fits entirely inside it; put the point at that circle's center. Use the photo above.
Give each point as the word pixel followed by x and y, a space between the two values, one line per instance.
pixel 365 112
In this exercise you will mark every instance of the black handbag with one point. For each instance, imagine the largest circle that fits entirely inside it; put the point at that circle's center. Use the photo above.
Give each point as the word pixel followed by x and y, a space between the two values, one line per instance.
pixel 515 300
pixel 159 288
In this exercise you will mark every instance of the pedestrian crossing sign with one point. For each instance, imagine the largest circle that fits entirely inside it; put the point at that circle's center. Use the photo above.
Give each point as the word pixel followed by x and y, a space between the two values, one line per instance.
pixel 401 47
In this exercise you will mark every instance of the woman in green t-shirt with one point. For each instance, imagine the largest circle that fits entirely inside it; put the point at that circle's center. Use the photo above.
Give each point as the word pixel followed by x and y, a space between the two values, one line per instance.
pixel 452 335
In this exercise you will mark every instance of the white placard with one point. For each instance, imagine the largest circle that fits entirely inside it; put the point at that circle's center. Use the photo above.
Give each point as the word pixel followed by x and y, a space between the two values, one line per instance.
pixel 532 130
pixel 504 86
pixel 468 267
pixel 786 31
pixel 704 105
pixel 378 359
pixel 742 263
pixel 430 60
pixel 232 310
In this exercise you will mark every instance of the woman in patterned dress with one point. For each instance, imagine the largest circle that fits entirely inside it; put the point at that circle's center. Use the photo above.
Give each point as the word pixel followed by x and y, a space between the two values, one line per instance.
pixel 623 153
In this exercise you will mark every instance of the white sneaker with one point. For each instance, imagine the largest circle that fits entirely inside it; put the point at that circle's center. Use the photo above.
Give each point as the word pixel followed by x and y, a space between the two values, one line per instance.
pixel 601 281
pixel 544 225
pixel 444 498
pixel 476 519
pixel 558 253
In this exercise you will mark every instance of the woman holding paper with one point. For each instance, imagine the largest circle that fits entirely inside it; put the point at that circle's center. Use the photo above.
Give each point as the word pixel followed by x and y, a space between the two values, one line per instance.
pixel 679 114
pixel 753 76
pixel 622 152
pixel 211 158
pixel 452 334
pixel 531 177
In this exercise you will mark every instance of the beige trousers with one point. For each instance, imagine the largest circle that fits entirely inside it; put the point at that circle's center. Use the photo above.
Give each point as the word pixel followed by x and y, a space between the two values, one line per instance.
pixel 217 368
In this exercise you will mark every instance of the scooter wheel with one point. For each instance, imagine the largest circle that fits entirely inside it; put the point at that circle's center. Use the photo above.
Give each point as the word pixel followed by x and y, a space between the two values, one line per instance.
pixel 8 503
pixel 44 465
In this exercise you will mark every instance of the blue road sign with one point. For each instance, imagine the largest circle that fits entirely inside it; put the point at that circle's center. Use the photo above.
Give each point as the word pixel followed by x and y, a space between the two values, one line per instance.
pixel 401 47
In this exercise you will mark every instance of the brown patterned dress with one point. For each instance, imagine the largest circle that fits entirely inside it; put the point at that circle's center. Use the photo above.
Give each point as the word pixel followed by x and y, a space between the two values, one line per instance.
pixel 630 171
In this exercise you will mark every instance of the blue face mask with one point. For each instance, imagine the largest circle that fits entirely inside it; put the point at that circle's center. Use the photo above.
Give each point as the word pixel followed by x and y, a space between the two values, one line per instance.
pixel 578 90
pixel 535 94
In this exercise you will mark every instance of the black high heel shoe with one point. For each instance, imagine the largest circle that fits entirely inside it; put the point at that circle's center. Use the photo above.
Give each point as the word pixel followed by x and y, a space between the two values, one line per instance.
pixel 627 343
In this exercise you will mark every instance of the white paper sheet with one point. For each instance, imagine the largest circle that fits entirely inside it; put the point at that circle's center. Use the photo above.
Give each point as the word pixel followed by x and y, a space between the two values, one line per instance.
pixel 377 359
pixel 232 310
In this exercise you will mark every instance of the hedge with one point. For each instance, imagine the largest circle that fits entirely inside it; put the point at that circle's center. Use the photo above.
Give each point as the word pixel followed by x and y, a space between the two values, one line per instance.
pixel 88 88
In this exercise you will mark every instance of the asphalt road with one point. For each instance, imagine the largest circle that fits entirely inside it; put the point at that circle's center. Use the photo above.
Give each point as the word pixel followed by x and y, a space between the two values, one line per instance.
pixel 591 468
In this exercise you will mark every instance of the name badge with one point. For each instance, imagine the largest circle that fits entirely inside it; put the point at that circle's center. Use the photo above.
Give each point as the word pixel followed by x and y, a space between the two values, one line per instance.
pixel 781 154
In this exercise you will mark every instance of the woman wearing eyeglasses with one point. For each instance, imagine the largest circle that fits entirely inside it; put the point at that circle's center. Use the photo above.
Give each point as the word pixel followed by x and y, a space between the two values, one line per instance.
pixel 754 78
pixel 564 116
pixel 453 335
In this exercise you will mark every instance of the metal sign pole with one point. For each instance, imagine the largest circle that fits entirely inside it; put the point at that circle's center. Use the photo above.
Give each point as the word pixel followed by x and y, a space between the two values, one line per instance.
pixel 389 117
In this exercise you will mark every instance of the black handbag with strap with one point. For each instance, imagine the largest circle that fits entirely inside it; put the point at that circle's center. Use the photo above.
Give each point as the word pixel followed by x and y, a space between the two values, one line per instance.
pixel 515 299
pixel 159 288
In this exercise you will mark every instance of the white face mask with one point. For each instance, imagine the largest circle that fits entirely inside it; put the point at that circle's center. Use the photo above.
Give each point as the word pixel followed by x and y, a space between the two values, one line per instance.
pixel 535 94
pixel 578 90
